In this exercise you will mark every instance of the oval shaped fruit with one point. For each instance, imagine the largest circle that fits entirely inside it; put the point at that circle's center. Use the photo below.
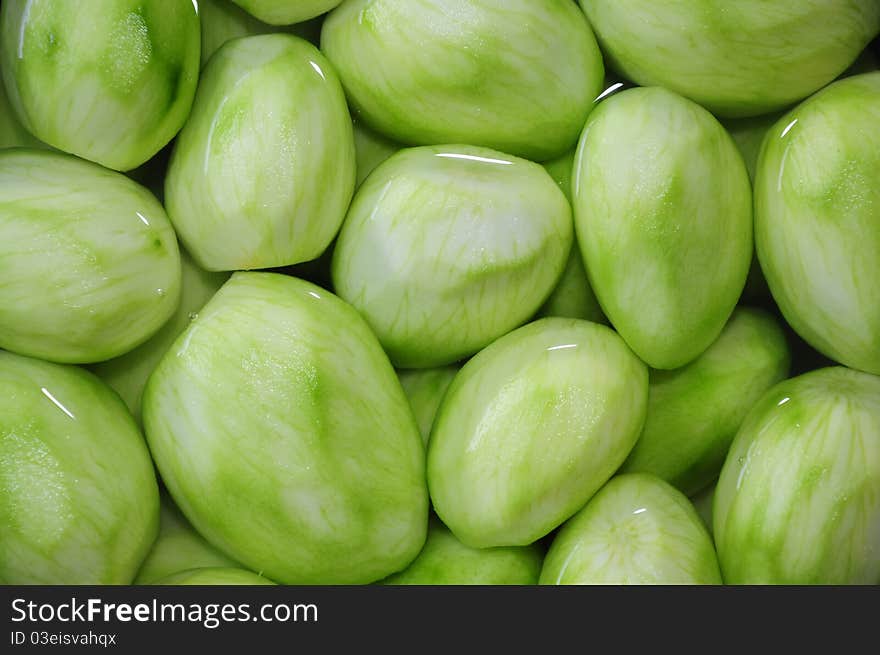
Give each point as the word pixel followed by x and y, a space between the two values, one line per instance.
pixel 107 80
pixel 128 373
pixel 531 427
pixel 663 215
pixel 286 12
pixel 798 500
pixel 695 411
pixel 79 502
pixel 214 576
pixel 280 401
pixel 512 75
pixel 446 248
pixel 263 171
pixel 425 388
pixel 88 260
pixel 444 560
pixel 817 220
pixel 177 548
pixel 741 58
pixel 636 530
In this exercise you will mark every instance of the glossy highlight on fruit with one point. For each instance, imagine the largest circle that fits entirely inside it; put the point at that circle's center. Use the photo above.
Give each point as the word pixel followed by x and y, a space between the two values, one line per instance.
pixel 89 264
pixel 78 497
pixel 662 207
pixel 308 441
pixel 446 248
pixel 111 81
pixel 531 427
pixel 817 220
pixel 741 58
pixel 513 75
pixel 263 171
pixel 798 501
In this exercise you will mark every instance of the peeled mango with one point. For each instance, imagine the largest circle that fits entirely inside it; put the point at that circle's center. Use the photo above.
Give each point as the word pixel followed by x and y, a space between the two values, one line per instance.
pixel 89 262
pixel 286 12
pixel 636 530
pixel 513 75
pixel 111 81
pixel 531 427
pixel 798 500
pixel 446 248
pixel 79 504
pixel 263 171
pixel 663 214
pixel 817 220
pixel 214 576
pixel 305 464
pixel 741 58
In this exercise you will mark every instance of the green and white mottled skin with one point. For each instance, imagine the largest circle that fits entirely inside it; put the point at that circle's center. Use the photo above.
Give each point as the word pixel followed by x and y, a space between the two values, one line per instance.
pixel 573 296
pixel 637 530
pixel 817 220
pixel 282 433
pixel 663 215
pixel 531 427
pixel 444 560
pixel 798 500
pixel 371 149
pixel 12 133
pixel 178 548
pixel 737 59
pixel 446 248
pixel 214 576
pixel 79 502
pixel 695 411
pixel 263 171
pixel 513 75
pixel 128 374
pixel 223 20
pixel 108 80
pixel 286 12
pixel 89 264
pixel 425 388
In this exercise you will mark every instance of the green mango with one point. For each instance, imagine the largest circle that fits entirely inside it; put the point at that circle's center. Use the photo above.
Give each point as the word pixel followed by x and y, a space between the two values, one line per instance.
pixel 531 427
pixel 737 59
pixel 695 411
pixel 111 81
pixel 444 560
pixel 662 207
pixel 263 171
pixel 513 75
pixel 282 433
pixel 89 262
pixel 817 220
pixel 636 530
pixel 178 547
pixel 79 503
pixel 12 133
pixel 798 500
pixel 446 248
